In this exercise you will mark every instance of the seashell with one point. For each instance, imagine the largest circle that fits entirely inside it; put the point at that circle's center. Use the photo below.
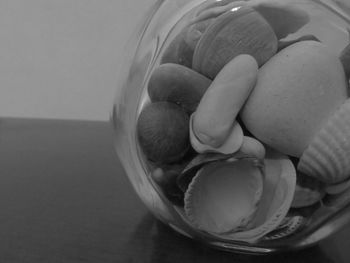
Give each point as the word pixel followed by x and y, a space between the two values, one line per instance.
pixel 285 43
pixel 283 16
pixel 327 156
pixel 308 191
pixel 289 225
pixel 270 194
pixel 279 187
pixel 345 57
pixel 203 159
pixel 229 202
pixel 163 133
pixel 178 84
pixel 223 196
pixel 252 147
pixel 241 30
pixel 213 10
pixel 235 143
pixel 220 104
pixel 181 48
pixel 232 143
pixel 297 91
pixel 335 189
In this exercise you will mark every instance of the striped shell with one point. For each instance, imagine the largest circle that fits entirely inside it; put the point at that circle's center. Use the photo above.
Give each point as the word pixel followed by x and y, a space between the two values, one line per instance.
pixel 234 201
pixel 327 156
pixel 241 30
pixel 279 187
pixel 289 226
pixel 223 196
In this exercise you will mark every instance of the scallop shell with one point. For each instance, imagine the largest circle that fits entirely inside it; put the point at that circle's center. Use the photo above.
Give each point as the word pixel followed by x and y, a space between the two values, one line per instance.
pixel 223 196
pixel 334 189
pixel 186 176
pixel 289 226
pixel 345 57
pixel 279 187
pixel 241 30
pixel 241 202
pixel 327 156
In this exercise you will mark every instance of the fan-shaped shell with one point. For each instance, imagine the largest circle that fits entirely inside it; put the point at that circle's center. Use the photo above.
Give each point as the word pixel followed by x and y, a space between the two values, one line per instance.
pixel 239 201
pixel 240 30
pixel 334 189
pixel 328 154
pixel 279 187
pixel 223 196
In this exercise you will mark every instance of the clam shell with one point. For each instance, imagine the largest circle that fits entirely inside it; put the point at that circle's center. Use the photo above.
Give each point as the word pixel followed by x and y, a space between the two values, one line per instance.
pixel 288 226
pixel 185 177
pixel 181 48
pixel 252 147
pixel 279 187
pixel 334 189
pixel 241 30
pixel 345 57
pixel 308 191
pixel 327 156
pixel 223 196
pixel 262 204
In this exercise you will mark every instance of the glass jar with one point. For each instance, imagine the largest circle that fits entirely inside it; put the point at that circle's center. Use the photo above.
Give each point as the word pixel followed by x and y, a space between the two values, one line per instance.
pixel 327 22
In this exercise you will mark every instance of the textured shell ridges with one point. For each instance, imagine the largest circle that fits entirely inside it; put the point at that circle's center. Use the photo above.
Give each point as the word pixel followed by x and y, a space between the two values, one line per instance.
pixel 328 155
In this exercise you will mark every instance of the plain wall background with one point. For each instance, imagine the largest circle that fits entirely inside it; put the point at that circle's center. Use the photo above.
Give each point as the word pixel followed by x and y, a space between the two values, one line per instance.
pixel 60 58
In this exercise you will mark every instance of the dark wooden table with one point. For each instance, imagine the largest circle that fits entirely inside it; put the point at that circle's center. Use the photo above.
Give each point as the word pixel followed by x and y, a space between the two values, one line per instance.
pixel 64 197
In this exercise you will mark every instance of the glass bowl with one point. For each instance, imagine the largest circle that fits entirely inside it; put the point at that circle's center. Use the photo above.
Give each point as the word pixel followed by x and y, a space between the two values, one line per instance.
pixel 328 22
